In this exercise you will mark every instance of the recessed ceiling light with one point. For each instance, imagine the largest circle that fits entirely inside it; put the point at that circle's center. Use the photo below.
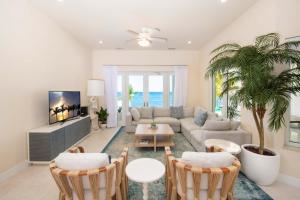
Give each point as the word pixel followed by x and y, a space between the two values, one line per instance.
pixel 100 42
pixel 223 1
pixel 60 0
pixel 189 42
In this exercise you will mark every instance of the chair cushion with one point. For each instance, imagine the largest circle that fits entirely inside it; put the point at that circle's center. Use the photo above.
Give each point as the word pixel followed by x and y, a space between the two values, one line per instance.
pixel 213 125
pixel 146 112
pixel 167 120
pixel 177 112
pixel 135 114
pixel 200 118
pixel 84 161
pixel 81 161
pixel 161 112
pixel 188 112
pixel 208 160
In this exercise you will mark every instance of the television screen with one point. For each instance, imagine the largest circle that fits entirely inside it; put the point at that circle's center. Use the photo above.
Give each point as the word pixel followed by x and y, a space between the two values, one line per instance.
pixel 63 105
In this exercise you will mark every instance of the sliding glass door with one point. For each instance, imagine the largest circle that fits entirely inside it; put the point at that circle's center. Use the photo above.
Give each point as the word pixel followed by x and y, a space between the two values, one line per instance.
pixel 145 89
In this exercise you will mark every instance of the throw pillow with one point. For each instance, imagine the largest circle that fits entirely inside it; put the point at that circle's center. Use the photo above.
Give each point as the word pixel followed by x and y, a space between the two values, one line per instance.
pixel 161 112
pixel 146 113
pixel 135 114
pixel 213 125
pixel 235 124
pixel 177 112
pixel 200 118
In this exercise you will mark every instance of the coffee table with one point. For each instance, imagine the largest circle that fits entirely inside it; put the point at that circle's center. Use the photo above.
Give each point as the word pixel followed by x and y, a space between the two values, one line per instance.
pixel 161 136
pixel 226 145
pixel 145 170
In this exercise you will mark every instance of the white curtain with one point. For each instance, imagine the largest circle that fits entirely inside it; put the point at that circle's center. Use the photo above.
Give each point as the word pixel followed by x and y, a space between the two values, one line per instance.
pixel 110 78
pixel 180 88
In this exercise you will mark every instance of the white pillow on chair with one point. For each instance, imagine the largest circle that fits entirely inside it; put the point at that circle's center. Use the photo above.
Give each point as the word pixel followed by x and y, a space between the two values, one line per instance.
pixel 81 161
pixel 208 160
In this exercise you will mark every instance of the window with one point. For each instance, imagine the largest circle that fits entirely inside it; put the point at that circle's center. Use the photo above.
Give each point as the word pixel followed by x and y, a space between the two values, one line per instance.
pixel 294 121
pixel 222 104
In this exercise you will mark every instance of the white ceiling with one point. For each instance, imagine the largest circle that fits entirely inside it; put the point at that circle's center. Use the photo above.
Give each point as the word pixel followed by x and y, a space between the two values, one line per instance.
pixel 108 20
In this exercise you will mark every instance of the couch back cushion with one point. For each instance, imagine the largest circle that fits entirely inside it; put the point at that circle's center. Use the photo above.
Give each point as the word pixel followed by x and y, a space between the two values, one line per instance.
pixel 161 112
pixel 146 112
pixel 210 115
pixel 200 118
pixel 235 124
pixel 135 114
pixel 176 112
pixel 214 125
pixel 188 112
pixel 208 160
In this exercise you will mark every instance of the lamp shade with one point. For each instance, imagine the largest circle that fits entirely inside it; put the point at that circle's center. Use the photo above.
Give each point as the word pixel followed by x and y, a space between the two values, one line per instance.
pixel 95 88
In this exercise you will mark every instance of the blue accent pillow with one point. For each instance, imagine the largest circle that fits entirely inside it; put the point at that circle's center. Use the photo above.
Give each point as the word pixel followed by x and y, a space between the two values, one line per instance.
pixel 200 118
pixel 177 112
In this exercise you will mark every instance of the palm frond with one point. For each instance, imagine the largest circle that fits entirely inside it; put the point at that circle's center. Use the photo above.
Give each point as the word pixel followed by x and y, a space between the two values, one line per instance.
pixel 267 41
pixel 229 46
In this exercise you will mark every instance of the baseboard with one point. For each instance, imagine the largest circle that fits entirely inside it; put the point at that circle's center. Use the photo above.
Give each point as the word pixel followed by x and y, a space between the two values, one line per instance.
pixel 289 180
pixel 12 171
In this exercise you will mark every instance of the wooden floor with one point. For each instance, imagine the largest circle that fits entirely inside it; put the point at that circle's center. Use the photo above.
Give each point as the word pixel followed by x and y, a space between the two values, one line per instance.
pixel 36 183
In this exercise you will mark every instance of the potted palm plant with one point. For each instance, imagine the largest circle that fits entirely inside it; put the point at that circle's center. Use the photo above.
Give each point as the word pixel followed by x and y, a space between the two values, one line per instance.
pixel 262 91
pixel 102 117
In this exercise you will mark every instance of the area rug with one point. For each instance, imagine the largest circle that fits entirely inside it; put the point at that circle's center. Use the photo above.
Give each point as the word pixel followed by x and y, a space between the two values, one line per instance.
pixel 244 189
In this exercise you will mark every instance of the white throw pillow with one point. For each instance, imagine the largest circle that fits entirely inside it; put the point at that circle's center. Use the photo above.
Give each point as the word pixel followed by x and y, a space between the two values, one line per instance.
pixel 81 161
pixel 235 124
pixel 135 114
pixel 208 160
pixel 213 125
pixel 146 113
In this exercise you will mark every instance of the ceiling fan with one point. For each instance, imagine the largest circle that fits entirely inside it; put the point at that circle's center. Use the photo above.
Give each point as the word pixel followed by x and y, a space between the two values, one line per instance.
pixel 145 37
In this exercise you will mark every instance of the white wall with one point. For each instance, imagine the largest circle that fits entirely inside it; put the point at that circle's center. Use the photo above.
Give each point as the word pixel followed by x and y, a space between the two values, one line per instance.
pixel 264 17
pixel 36 55
pixel 136 60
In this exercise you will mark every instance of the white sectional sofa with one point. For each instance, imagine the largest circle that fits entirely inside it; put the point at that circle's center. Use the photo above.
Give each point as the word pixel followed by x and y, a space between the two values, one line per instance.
pixel 195 134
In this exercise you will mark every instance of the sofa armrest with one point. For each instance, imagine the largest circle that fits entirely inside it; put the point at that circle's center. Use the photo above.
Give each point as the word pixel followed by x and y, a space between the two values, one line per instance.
pixel 128 119
pixel 238 136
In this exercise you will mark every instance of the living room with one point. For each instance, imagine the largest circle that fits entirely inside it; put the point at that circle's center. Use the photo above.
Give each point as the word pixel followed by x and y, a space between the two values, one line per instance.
pixel 161 51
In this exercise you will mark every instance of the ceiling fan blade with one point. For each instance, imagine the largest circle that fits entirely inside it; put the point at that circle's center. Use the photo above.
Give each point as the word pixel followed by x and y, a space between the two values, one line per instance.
pixel 130 40
pixel 159 38
pixel 132 32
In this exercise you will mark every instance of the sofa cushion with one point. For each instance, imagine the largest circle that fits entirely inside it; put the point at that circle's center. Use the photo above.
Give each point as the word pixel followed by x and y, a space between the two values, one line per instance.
pixel 161 112
pixel 135 114
pixel 188 112
pixel 213 125
pixel 142 121
pixel 210 115
pixel 146 112
pixel 208 160
pixel 200 117
pixel 235 124
pixel 188 124
pixel 167 120
pixel 176 112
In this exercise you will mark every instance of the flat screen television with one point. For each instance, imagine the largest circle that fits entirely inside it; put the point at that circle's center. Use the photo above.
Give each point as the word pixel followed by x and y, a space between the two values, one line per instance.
pixel 63 105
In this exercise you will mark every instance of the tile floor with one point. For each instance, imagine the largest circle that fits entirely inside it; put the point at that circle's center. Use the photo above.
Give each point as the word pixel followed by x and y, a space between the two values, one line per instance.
pixel 36 183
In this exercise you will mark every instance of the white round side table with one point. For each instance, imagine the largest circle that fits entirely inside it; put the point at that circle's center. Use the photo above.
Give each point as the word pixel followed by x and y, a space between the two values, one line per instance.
pixel 145 170
pixel 226 145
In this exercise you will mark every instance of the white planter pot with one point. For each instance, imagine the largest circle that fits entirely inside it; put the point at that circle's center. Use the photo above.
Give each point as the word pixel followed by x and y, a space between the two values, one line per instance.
pixel 261 169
